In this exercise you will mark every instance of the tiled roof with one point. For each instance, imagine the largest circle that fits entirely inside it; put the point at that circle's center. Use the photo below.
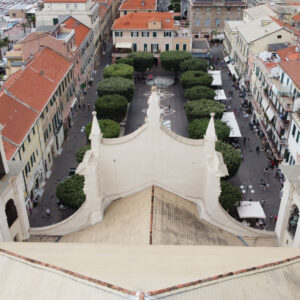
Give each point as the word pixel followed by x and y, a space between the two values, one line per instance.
pixel 283 24
pixel 138 4
pixel 139 20
pixel 292 69
pixel 283 53
pixel 17 119
pixel 81 30
pixel 296 18
pixel 65 1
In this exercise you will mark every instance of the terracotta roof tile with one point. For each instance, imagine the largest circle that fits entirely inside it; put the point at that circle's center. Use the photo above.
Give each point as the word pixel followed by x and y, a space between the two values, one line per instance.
pixel 283 24
pixel 283 53
pixel 81 30
pixel 9 149
pixel 296 18
pixel 65 1
pixel 138 4
pixel 139 20
pixel 292 69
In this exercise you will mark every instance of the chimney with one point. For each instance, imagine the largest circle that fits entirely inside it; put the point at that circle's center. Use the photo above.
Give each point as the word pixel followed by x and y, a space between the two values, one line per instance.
pixel 42 72
pixel 143 3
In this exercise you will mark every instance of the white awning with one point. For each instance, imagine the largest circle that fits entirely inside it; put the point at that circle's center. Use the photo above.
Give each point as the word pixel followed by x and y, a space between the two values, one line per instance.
pixel 74 102
pixel 230 120
pixel 232 70
pixel 264 104
pixel 216 75
pixel 250 210
pixel 270 113
pixel 124 45
pixel 227 59
pixel 220 95
pixel 218 36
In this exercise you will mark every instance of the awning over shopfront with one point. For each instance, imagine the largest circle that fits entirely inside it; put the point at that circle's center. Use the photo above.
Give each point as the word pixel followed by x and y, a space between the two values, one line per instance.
pixel 251 210
pixel 219 36
pixel 230 120
pixel 217 80
pixel 227 59
pixel 232 70
pixel 124 45
pixel 264 104
pixel 270 113
pixel 220 95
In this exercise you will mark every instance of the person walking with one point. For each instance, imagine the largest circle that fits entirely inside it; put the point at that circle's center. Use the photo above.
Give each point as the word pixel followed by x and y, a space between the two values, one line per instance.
pixel 267 185
pixel 257 149
pixel 263 202
pixel 89 107
pixel 48 212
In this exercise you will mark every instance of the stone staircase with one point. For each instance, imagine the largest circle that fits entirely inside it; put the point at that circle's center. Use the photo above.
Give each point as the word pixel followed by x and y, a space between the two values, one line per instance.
pixel 261 241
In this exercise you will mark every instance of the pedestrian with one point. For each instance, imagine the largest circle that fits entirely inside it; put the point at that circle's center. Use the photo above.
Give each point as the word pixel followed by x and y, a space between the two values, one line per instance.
pixel 79 106
pixel 276 218
pixel 30 210
pixel 245 140
pixel 234 111
pixel 257 149
pixel 266 170
pixel 169 106
pixel 263 202
pixel 271 217
pixel 262 185
pixel 267 185
pixel 89 107
pixel 48 212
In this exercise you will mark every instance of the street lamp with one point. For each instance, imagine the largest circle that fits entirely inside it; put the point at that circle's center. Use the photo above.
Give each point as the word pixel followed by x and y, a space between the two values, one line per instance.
pixel 246 188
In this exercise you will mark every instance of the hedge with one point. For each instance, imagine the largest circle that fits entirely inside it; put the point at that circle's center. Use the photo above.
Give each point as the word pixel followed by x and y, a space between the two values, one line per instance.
pixel 113 107
pixel 197 129
pixel 203 108
pixel 118 70
pixel 199 92
pixel 109 128
pixel 193 64
pixel 189 79
pixel 116 85
pixel 79 154
pixel 70 192
pixel 230 196
pixel 232 157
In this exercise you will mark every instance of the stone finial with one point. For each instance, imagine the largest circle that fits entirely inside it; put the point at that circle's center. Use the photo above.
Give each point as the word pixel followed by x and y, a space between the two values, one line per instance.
pixel 95 131
pixel 210 134
pixel 153 89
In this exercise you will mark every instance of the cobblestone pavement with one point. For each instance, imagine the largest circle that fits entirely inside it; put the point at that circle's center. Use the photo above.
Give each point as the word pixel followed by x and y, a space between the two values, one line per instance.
pixel 75 139
pixel 252 167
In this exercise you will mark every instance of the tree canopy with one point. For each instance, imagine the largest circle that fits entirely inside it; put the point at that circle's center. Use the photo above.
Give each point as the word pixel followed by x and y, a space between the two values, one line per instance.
pixel 230 196
pixel 199 92
pixel 116 85
pixel 203 108
pixel 109 128
pixel 141 61
pixel 170 60
pixel 193 64
pixel 79 154
pixel 118 70
pixel 112 107
pixel 189 79
pixel 232 157
pixel 197 129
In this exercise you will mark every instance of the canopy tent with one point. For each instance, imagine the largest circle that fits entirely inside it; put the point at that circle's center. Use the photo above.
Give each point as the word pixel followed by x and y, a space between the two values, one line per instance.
pixel 232 70
pixel 227 59
pixel 270 113
pixel 216 75
pixel 230 120
pixel 124 45
pixel 220 95
pixel 250 210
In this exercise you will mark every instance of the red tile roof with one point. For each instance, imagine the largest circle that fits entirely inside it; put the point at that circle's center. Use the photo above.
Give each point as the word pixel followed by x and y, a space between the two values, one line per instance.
pixel 289 54
pixel 283 24
pixel 138 5
pixel 296 18
pixel 292 69
pixel 17 119
pixel 81 30
pixel 65 1
pixel 139 20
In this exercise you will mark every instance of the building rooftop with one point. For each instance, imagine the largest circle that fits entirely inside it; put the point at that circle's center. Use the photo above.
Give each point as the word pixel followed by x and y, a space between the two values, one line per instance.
pixel 140 20
pixel 233 25
pixel 289 53
pixel 286 26
pixel 260 12
pixel 292 69
pixel 138 5
pixel 65 1
pixel 81 30
pixel 296 18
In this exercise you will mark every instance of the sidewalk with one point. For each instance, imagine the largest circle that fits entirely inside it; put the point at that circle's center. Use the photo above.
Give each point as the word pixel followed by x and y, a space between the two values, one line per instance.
pixel 61 164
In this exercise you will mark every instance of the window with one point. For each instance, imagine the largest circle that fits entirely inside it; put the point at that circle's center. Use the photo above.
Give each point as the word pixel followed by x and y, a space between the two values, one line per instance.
pixel 145 48
pixel 167 47
pixel 298 136
pixel 197 23
pixel 282 76
pixel 217 22
pixel 49 127
pixel 294 130
pixel 167 34
pixel 238 9
pixel 75 6
pixel 118 33
pixel 184 47
pixel 33 130
pixel 55 21
pixel 198 9
pixel 228 8
pixel 49 158
pixel 134 47
pixel 23 148
pixel 177 47
pixel 67 6
pixel 218 10
pixel 29 140
pixel 134 34
pixel 145 34
pixel 279 36
pixel 154 34
pixel 154 47
pixel 207 22
pixel 208 9
pixel 47 108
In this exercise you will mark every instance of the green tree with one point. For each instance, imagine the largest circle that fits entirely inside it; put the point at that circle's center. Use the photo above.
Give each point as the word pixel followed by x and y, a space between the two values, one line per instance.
pixel 199 92
pixel 197 129
pixel 112 107
pixel 193 64
pixel 232 157
pixel 116 85
pixel 70 192
pixel 125 60
pixel 118 70
pixel 142 61
pixel 170 60
pixel 110 129
pixel 189 79
pixel 203 108
pixel 230 196
pixel 79 154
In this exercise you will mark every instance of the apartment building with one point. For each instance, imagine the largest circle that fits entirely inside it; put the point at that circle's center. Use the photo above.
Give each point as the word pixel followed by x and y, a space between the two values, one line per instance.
pixel 14 225
pixel 129 6
pixel 149 32
pixel 275 87
pixel 32 106
pixel 208 16
pixel 85 11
